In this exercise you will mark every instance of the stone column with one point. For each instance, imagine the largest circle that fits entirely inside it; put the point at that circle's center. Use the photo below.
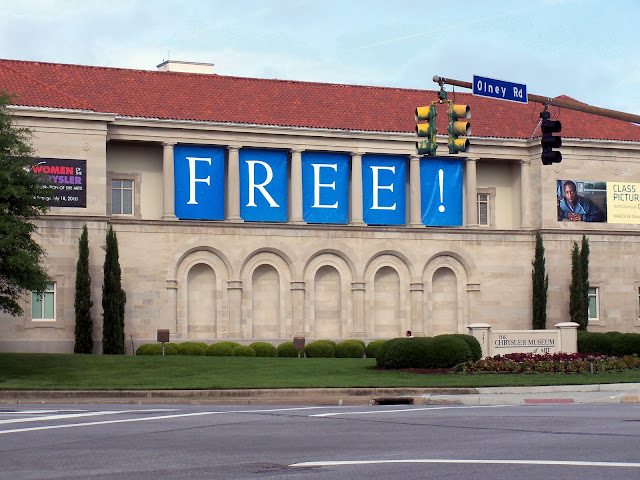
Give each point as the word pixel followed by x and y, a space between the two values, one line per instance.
pixel 568 337
pixel 357 291
pixel 297 306
pixel 296 187
pixel 356 189
pixel 416 324
pixel 233 185
pixel 415 217
pixel 482 331
pixel 235 308
pixel 168 183
pixel 472 192
pixel 525 199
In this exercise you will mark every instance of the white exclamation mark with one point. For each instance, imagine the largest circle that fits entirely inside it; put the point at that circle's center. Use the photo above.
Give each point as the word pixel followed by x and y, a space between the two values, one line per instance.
pixel 441 178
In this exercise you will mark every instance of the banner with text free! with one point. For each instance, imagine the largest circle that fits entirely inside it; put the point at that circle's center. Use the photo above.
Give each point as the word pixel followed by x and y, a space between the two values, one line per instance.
pixel 263 185
pixel 199 182
pixel 384 189
pixel 441 191
pixel 325 187
pixel 66 178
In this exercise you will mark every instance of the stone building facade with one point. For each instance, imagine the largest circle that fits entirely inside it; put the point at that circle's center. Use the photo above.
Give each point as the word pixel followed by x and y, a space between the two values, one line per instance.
pixel 243 277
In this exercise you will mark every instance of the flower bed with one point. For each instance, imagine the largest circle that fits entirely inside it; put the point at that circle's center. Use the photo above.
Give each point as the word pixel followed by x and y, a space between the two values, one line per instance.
pixel 551 363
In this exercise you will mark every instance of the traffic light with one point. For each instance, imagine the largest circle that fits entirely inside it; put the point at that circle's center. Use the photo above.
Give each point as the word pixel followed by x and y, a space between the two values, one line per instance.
pixel 549 141
pixel 458 128
pixel 429 146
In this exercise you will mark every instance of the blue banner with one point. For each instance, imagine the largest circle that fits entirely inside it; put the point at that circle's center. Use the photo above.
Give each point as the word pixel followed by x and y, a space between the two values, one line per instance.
pixel 384 189
pixel 441 191
pixel 263 185
pixel 199 182
pixel 325 187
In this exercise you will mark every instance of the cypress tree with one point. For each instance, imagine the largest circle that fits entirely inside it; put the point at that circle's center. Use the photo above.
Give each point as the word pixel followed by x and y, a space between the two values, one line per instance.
pixel 576 289
pixel 83 303
pixel 540 283
pixel 584 261
pixel 113 299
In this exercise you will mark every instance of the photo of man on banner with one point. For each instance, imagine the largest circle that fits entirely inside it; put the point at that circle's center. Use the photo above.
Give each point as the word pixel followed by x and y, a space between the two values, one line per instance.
pixel 581 201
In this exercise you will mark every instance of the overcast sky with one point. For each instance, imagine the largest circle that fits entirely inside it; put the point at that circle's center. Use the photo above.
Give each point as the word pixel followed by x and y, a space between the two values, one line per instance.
pixel 588 50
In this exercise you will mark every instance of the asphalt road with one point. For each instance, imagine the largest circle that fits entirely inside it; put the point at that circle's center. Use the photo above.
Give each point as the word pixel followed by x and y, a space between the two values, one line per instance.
pixel 135 442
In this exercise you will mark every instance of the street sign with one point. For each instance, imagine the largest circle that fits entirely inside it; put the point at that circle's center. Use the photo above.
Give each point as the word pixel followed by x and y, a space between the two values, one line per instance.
pixel 490 87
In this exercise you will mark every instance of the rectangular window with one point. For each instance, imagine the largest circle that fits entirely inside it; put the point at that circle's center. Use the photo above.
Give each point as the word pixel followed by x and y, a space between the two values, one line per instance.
pixel 483 209
pixel 43 305
pixel 121 197
pixel 593 303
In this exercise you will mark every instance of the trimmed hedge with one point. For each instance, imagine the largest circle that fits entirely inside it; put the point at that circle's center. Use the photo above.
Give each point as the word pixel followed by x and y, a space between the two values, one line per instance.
pixel 286 349
pixel 156 349
pixel 350 349
pixel 442 351
pixel 373 348
pixel 244 351
pixel 608 343
pixel 192 348
pixel 222 349
pixel 264 349
pixel 474 345
pixel 320 349
pixel 446 351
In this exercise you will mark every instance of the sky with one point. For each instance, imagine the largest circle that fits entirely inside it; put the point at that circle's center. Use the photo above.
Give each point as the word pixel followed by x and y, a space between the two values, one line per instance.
pixel 587 50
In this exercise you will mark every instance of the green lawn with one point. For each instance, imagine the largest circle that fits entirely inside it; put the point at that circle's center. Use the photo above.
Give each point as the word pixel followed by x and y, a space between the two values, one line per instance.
pixel 25 371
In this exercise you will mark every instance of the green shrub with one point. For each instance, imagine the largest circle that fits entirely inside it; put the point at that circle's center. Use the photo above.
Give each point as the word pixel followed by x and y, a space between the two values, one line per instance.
pixel 320 349
pixel 221 349
pixel 474 345
pixel 228 343
pixel 373 348
pixel 403 353
pixel 446 351
pixel 244 351
pixel 596 342
pixel 286 350
pixel 264 349
pixel 330 342
pixel 625 344
pixel 191 348
pixel 156 349
pixel 350 349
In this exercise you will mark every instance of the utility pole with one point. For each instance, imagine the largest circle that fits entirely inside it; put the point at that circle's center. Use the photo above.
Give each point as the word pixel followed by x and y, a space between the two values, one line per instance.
pixel 556 102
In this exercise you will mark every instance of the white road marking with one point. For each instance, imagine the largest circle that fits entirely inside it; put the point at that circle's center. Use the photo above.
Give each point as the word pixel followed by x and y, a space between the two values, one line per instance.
pixel 146 419
pixel 403 410
pixel 78 415
pixel 471 461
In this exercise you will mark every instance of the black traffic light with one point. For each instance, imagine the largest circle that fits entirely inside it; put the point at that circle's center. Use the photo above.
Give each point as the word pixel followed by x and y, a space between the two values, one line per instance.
pixel 550 141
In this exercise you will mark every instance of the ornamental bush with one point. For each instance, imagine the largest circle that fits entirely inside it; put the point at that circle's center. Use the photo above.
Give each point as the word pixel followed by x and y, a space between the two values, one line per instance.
pixel 191 348
pixel 264 349
pixel 404 353
pixel 373 348
pixel 473 343
pixel 597 342
pixel 244 351
pixel 221 349
pixel 320 349
pixel 350 349
pixel 446 351
pixel 286 350
pixel 156 349
pixel 626 344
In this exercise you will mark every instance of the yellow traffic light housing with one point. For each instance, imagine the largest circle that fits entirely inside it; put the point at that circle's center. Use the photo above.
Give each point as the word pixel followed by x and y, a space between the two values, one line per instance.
pixel 429 146
pixel 457 127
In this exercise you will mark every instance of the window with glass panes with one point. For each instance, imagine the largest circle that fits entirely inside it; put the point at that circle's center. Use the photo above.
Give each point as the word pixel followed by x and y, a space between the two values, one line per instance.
pixel 122 197
pixel 483 209
pixel 43 305
pixel 593 303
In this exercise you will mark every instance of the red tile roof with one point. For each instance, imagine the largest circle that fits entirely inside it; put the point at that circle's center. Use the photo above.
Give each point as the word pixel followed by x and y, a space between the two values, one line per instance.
pixel 217 98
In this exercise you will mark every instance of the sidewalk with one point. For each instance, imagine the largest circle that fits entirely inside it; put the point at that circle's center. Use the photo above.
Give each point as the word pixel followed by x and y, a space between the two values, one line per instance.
pixel 601 393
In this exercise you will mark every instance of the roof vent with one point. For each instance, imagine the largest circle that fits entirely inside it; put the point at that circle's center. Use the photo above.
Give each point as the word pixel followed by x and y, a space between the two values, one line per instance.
pixel 186 67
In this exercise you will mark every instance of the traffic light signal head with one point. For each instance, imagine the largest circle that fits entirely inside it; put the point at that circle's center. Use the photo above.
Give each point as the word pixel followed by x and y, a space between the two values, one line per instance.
pixel 550 141
pixel 428 129
pixel 457 127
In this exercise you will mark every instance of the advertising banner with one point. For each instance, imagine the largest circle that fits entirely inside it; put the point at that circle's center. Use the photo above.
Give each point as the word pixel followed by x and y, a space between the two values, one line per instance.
pixel 263 185
pixel 199 182
pixel 67 178
pixel 384 189
pixel 623 202
pixel 441 191
pixel 325 187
